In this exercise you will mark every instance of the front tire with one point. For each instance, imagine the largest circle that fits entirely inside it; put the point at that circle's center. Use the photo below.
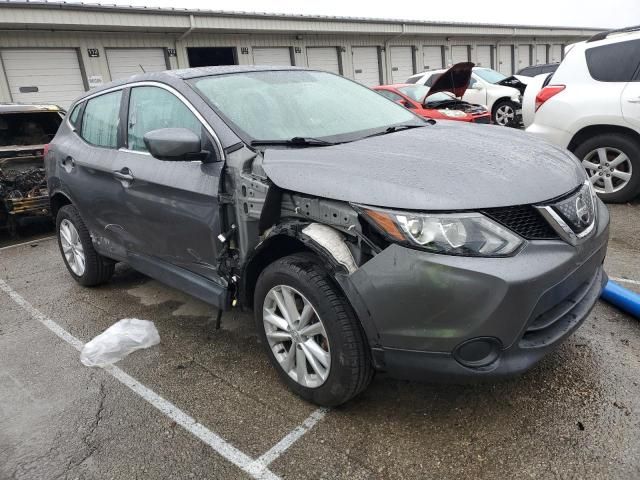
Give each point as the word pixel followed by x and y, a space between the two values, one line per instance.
pixel 312 336
pixel 504 114
pixel 86 266
pixel 612 162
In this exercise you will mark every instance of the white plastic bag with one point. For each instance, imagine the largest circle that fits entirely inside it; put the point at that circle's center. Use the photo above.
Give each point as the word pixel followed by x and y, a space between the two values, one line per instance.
pixel 118 341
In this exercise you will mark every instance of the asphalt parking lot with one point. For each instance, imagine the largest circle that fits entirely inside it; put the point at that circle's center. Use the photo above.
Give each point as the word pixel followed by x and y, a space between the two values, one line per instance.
pixel 207 404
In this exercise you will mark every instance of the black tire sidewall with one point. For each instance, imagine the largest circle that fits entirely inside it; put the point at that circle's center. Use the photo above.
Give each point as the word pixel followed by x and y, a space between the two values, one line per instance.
pixel 630 147
pixel 93 272
pixel 336 389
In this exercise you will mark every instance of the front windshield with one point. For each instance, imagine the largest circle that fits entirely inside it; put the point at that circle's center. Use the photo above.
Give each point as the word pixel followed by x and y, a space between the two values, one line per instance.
pixel 489 75
pixel 415 92
pixel 440 97
pixel 280 105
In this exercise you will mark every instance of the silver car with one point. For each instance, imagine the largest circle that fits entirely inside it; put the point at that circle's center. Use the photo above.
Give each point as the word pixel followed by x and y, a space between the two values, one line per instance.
pixel 364 237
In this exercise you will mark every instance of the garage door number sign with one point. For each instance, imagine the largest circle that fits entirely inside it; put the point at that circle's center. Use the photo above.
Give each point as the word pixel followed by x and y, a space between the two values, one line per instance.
pixel 93 52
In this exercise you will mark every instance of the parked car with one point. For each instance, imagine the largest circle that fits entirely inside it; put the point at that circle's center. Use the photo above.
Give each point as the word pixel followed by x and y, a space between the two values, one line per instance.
pixel 440 105
pixel 591 106
pixel 534 70
pixel 486 87
pixel 24 132
pixel 364 237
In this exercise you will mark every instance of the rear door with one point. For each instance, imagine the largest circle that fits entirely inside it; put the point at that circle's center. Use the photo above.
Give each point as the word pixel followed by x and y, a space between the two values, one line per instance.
pixel 401 64
pixel 85 159
pixel 366 65
pixel 171 215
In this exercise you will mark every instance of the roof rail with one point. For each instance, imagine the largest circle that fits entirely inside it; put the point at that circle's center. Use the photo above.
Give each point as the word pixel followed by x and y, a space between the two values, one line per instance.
pixel 603 35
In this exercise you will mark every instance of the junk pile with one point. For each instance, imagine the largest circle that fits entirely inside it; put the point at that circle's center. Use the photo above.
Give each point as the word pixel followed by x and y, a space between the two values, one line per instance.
pixel 17 185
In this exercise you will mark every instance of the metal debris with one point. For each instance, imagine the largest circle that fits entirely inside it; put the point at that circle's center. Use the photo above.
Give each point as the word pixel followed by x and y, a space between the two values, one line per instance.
pixel 16 185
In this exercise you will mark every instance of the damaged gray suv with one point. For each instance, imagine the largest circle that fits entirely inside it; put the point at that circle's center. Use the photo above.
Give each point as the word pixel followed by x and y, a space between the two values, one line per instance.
pixel 364 237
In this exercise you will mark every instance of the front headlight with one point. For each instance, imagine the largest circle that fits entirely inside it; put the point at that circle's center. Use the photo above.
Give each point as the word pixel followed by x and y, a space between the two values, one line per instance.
pixel 468 234
pixel 452 113
pixel 517 98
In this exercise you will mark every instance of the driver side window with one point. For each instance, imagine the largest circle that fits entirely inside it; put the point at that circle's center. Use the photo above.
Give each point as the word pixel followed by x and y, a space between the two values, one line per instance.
pixel 152 108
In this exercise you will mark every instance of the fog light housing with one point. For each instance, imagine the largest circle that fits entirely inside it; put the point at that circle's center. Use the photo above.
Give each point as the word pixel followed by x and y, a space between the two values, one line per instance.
pixel 478 352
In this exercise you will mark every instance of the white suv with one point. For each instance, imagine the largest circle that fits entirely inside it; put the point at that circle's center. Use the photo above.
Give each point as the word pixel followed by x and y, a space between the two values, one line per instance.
pixel 503 102
pixel 591 105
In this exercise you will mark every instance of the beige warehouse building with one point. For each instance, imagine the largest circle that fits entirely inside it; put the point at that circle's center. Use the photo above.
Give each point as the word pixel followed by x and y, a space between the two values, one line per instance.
pixel 51 53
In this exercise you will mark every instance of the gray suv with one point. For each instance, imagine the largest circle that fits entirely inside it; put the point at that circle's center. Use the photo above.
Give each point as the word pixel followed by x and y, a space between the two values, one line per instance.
pixel 364 237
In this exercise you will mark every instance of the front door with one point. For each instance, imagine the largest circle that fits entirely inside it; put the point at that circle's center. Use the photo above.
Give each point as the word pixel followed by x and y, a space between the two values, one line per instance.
pixel 170 207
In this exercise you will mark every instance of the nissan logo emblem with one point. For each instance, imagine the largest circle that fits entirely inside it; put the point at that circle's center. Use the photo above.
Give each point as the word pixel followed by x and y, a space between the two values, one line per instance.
pixel 582 211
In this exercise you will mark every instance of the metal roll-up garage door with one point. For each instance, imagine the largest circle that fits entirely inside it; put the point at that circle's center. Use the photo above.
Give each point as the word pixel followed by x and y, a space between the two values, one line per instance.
pixel 541 54
pixel 366 65
pixel 555 54
pixel 432 57
pixel 459 53
pixel 524 55
pixel 483 56
pixel 124 62
pixel 48 75
pixel 401 64
pixel 272 56
pixel 323 58
pixel 505 62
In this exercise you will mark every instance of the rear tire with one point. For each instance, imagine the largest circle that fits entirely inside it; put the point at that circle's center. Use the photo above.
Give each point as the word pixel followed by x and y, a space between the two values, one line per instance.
pixel 604 151
pixel 342 339
pixel 86 266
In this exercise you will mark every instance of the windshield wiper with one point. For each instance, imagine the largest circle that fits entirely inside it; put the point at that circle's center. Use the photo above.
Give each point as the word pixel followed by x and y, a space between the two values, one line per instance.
pixel 296 141
pixel 397 128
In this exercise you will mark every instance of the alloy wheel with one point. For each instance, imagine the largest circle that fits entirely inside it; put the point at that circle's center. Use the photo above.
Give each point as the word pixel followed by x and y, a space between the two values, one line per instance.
pixel 72 247
pixel 296 336
pixel 505 114
pixel 608 168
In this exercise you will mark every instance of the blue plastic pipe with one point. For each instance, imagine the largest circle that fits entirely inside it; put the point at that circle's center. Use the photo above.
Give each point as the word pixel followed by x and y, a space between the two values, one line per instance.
pixel 622 298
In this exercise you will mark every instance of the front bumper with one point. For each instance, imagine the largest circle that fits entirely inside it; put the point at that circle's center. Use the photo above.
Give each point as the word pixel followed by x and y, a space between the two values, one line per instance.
pixel 419 309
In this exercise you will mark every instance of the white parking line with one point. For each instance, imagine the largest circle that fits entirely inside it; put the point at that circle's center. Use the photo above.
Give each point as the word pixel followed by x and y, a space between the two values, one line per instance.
pixel 217 443
pixel 625 280
pixel 27 243
pixel 279 448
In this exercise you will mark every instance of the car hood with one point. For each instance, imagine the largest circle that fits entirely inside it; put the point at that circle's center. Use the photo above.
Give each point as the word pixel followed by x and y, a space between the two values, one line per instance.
pixel 515 81
pixel 447 166
pixel 454 80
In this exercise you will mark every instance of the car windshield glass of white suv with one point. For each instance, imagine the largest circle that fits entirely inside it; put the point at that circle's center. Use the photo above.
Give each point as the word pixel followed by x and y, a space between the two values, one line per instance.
pixel 489 75
pixel 289 104
pixel 415 92
pixel 28 128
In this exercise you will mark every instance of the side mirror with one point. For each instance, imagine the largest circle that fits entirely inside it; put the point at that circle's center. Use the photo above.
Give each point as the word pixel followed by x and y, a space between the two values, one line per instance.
pixel 477 86
pixel 174 144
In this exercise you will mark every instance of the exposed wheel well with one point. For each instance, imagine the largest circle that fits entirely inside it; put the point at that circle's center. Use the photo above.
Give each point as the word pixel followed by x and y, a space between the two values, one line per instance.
pixel 274 248
pixel 497 103
pixel 593 130
pixel 58 201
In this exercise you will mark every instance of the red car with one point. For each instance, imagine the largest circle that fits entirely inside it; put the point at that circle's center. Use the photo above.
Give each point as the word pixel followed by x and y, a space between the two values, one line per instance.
pixel 440 100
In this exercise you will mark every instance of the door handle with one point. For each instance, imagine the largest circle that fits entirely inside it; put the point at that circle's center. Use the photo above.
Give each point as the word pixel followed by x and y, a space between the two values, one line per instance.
pixel 124 175
pixel 634 100
pixel 68 162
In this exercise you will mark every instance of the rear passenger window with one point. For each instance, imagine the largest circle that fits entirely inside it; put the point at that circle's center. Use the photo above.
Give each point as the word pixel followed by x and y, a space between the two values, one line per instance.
pixel 74 116
pixel 614 63
pixel 101 119
pixel 152 108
